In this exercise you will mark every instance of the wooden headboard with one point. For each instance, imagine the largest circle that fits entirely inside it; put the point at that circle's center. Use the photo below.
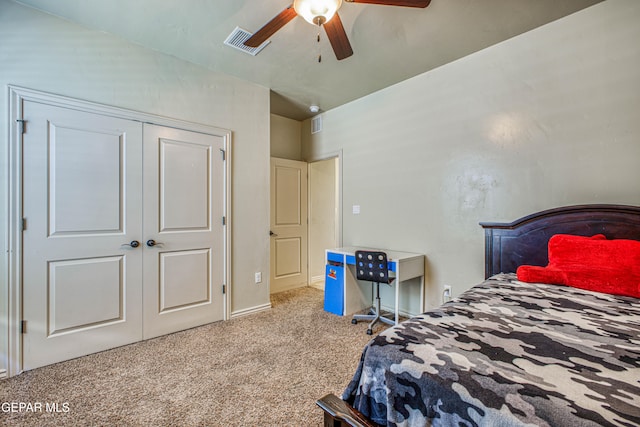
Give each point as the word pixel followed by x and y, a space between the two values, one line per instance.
pixel 524 241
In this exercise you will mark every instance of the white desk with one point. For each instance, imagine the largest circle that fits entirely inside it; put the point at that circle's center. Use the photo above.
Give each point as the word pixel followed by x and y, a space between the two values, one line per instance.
pixel 405 265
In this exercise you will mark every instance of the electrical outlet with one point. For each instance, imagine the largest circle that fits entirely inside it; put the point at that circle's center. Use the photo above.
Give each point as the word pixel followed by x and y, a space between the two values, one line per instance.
pixel 258 277
pixel 446 293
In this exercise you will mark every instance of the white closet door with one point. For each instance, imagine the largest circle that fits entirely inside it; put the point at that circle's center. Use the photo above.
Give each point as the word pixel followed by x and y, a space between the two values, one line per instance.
pixel 82 281
pixel 183 204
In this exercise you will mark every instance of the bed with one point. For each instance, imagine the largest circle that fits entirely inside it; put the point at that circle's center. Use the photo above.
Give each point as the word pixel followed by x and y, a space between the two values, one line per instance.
pixel 507 352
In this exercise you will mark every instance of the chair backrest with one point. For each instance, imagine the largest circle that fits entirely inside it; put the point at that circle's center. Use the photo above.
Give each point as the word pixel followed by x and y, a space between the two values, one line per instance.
pixel 372 266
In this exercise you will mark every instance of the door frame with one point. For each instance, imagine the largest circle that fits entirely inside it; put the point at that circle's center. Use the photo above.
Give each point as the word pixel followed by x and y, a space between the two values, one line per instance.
pixel 338 219
pixel 17 96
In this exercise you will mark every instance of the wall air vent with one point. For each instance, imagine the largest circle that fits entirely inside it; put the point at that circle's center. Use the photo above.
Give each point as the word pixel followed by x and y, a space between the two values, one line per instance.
pixel 316 124
pixel 239 36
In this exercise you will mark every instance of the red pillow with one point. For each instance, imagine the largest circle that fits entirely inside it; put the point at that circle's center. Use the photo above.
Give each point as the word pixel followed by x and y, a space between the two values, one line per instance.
pixel 567 249
pixel 591 263
pixel 563 251
pixel 535 274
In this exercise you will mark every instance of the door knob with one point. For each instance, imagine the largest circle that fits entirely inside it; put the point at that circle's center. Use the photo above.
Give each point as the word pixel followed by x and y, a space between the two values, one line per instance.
pixel 151 243
pixel 133 244
pixel 271 233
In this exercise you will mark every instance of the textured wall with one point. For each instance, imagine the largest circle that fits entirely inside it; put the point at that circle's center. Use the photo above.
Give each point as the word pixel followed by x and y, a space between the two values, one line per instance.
pixel 285 138
pixel 545 119
pixel 45 53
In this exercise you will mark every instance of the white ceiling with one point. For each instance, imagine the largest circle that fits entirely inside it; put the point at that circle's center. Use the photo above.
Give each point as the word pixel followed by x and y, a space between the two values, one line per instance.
pixel 390 44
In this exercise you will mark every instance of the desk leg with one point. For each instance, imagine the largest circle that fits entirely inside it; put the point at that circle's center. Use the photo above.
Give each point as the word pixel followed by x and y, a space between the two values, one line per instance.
pixel 422 304
pixel 397 309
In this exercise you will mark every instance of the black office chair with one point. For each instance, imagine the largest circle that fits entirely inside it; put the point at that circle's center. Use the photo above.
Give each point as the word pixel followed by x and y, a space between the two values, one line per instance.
pixel 372 266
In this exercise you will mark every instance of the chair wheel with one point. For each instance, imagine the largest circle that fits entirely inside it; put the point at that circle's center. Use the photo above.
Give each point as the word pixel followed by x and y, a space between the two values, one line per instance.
pixel 369 332
pixel 354 321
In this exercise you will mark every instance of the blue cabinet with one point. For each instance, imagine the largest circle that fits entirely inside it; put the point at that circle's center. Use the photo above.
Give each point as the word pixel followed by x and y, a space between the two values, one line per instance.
pixel 334 289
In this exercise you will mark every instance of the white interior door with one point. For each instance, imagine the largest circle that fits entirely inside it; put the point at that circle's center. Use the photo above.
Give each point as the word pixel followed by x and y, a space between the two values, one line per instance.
pixel 183 229
pixel 82 281
pixel 288 252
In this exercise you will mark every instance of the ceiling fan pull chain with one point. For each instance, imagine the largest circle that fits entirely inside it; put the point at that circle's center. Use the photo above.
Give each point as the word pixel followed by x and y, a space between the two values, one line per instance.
pixel 318 40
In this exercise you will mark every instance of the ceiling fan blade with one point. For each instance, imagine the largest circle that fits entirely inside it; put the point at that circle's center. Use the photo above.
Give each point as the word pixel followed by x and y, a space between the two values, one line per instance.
pixel 406 3
pixel 271 27
pixel 338 37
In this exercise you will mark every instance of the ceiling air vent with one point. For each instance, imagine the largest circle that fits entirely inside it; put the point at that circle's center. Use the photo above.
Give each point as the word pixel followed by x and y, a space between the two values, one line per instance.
pixel 316 124
pixel 238 37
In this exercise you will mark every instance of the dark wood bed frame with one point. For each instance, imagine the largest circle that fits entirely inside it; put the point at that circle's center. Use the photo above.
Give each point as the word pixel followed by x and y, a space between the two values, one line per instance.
pixel 509 245
pixel 524 241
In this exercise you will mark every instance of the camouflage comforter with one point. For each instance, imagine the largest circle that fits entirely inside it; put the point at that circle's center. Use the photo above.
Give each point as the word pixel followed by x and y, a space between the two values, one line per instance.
pixel 507 353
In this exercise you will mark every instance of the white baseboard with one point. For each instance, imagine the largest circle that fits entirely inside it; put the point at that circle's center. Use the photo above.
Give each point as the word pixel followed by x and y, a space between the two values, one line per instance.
pixel 289 288
pixel 318 285
pixel 251 310
pixel 401 312
pixel 317 282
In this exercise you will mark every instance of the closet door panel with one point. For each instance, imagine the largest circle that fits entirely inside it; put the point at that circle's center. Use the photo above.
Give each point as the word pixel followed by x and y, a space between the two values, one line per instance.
pixel 183 201
pixel 82 280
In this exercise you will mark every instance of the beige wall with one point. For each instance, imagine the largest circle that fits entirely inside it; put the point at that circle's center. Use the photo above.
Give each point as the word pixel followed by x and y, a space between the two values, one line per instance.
pixel 323 203
pixel 545 119
pixel 285 138
pixel 42 52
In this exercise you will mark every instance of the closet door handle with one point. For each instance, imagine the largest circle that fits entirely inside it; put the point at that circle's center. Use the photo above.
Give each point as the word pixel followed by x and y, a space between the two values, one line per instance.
pixel 151 243
pixel 271 233
pixel 134 244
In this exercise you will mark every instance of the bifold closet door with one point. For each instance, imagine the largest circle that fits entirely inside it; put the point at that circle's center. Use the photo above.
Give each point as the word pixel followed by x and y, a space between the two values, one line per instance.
pixel 82 270
pixel 183 228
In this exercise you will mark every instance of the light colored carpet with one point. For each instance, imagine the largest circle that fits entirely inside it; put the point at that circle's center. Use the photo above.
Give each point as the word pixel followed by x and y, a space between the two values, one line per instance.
pixel 266 369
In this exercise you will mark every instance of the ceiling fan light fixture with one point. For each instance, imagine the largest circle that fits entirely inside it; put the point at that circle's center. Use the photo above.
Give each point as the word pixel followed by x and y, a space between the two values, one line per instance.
pixel 317 12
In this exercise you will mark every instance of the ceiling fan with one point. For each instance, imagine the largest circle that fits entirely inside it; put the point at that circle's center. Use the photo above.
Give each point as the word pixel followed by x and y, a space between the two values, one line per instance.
pixel 323 13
